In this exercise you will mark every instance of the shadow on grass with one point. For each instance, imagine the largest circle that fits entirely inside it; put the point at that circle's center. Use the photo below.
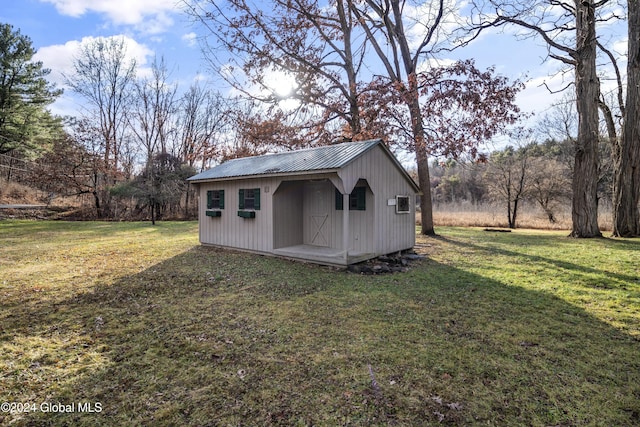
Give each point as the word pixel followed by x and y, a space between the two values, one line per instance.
pixel 214 337
pixel 490 250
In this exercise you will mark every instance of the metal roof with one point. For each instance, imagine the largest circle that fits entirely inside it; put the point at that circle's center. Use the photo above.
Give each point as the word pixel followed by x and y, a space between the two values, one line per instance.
pixel 307 160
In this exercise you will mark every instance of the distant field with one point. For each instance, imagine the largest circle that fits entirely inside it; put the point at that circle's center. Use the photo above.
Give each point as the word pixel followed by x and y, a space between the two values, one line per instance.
pixel 143 326
pixel 465 214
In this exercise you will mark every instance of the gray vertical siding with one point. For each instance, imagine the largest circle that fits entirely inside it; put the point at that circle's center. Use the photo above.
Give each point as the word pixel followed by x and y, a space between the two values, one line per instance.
pixel 286 204
pixel 230 230
pixel 393 232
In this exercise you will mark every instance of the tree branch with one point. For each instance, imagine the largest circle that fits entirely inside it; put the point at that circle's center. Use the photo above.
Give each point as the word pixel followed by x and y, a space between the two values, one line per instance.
pixel 614 63
pixel 571 52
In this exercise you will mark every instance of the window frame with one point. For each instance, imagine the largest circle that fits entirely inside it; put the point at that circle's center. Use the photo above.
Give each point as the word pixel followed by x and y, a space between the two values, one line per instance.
pixel 398 204
pixel 215 199
pixel 254 200
pixel 357 199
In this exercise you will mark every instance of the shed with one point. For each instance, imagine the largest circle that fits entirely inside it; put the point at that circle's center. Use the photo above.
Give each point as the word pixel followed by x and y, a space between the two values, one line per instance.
pixel 338 204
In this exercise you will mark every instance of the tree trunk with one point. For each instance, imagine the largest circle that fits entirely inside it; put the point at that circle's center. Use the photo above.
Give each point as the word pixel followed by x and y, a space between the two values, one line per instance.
pixel 186 201
pixel 10 167
pixel 626 217
pixel 549 212
pixel 584 211
pixel 152 204
pixel 508 191
pixel 354 107
pixel 424 181
pixel 514 215
pixel 96 200
pixel 422 158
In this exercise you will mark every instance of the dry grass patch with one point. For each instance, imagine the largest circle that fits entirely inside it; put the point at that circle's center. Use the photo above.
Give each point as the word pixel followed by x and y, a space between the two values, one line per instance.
pixel 488 215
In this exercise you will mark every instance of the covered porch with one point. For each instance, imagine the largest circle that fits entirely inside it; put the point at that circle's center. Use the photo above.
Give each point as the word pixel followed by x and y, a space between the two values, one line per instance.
pixel 313 220
pixel 322 255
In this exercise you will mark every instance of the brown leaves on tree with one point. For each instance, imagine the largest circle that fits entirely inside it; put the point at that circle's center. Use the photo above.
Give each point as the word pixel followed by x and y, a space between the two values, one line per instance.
pixel 324 48
pixel 463 107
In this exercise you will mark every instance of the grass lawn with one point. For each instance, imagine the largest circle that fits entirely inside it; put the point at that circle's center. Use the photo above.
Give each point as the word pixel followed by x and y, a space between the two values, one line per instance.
pixel 145 327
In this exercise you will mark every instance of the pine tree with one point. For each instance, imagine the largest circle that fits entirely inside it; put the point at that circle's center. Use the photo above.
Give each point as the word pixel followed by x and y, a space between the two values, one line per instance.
pixel 25 123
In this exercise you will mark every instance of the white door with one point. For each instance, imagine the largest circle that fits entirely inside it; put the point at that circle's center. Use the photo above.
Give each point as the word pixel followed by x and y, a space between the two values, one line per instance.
pixel 317 224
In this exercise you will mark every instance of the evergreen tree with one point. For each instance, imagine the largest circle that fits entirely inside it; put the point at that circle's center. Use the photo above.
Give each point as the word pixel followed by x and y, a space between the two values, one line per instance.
pixel 25 123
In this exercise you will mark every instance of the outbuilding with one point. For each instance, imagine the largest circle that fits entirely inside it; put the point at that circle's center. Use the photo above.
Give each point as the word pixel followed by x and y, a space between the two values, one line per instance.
pixel 337 204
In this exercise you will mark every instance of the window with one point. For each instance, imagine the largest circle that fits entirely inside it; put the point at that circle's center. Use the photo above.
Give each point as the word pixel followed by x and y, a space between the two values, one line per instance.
pixel 249 198
pixel 215 199
pixel 357 199
pixel 402 204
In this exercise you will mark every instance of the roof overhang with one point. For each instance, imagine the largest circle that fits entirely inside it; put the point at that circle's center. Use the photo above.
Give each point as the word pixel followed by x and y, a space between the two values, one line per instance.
pixel 264 175
pixel 367 145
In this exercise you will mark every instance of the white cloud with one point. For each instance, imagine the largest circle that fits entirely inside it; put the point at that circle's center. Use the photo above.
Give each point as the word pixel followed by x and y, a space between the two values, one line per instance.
pixel 541 93
pixel 419 19
pixel 152 16
pixel 431 63
pixel 621 45
pixel 59 58
pixel 190 39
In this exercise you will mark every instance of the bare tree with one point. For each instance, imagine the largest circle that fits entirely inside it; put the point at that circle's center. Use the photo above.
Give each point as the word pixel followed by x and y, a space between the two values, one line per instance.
pixel 549 184
pixel 153 107
pixel 624 147
pixel 451 109
pixel 624 150
pixel 150 122
pixel 506 177
pixel 627 150
pixel 103 77
pixel 315 45
pixel 560 122
pixel 569 30
pixel 202 122
pixel 388 16
pixel 72 167
pixel 325 49
pixel 202 125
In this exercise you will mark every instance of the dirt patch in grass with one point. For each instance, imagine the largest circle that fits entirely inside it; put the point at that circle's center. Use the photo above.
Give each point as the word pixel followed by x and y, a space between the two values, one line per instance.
pixel 522 328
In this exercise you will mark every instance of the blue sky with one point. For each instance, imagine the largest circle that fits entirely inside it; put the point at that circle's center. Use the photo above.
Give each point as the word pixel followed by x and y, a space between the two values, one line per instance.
pixel 158 27
pixel 150 27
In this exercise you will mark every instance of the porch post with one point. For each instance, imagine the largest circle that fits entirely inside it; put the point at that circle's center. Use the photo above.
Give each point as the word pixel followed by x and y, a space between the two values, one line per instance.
pixel 345 227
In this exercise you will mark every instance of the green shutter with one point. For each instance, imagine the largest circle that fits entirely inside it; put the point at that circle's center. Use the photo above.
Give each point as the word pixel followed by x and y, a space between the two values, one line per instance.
pixel 361 198
pixel 210 199
pixel 339 200
pixel 241 198
pixel 221 193
pixel 256 199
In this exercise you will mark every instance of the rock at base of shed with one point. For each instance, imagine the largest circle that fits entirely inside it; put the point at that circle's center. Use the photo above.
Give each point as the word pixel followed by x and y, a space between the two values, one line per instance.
pixel 386 264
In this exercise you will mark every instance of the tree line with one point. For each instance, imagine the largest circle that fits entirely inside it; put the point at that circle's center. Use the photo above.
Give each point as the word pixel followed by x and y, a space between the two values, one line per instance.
pixel 361 69
pixel 536 173
pixel 134 144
